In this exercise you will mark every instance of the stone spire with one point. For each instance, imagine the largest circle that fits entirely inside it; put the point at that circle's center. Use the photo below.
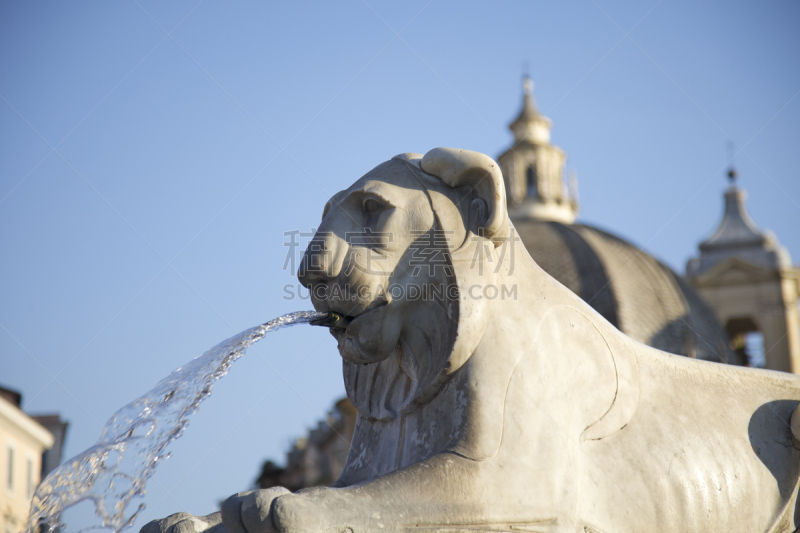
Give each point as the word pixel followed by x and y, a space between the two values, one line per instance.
pixel 738 236
pixel 533 168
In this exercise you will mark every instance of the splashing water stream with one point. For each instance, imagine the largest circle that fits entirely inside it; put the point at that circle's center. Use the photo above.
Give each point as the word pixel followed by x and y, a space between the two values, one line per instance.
pixel 113 472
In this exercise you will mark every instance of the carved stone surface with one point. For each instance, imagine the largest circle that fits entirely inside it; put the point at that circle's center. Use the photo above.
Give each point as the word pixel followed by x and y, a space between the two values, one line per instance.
pixel 504 402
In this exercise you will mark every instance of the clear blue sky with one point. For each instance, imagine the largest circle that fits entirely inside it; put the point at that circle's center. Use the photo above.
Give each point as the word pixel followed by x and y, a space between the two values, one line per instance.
pixel 153 154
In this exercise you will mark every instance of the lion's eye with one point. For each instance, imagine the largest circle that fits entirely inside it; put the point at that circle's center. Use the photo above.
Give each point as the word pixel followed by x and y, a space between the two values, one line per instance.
pixel 371 207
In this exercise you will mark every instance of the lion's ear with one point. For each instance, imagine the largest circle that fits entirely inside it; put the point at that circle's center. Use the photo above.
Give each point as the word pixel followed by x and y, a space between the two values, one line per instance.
pixel 478 171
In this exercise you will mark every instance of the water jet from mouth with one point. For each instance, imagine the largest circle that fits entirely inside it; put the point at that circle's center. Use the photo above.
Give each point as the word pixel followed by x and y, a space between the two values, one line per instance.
pixel 113 473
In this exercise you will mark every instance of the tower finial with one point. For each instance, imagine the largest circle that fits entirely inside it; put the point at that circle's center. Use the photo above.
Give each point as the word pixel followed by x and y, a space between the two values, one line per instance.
pixel 731 168
pixel 527 82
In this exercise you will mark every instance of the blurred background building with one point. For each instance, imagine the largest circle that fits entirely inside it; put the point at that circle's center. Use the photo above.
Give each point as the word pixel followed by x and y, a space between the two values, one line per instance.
pixel 318 458
pixel 748 278
pixel 737 304
pixel 31 447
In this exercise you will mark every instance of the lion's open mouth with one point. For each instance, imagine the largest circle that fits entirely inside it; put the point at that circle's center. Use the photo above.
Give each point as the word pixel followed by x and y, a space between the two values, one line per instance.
pixel 340 322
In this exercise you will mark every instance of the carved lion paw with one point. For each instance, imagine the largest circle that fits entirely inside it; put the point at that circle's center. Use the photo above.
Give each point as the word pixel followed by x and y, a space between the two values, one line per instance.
pixel 249 512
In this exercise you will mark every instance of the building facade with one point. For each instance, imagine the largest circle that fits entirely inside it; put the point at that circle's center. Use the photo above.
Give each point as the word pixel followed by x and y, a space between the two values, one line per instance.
pixel 23 441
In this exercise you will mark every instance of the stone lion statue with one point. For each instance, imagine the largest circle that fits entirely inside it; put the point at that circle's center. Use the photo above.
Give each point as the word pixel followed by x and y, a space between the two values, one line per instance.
pixel 492 398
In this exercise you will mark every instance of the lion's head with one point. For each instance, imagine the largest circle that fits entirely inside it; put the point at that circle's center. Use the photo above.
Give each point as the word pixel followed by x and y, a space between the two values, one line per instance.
pixel 392 254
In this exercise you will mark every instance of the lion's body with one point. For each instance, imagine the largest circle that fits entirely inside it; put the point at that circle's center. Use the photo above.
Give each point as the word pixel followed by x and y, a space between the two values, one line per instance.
pixel 514 407
pixel 708 449
pixel 573 425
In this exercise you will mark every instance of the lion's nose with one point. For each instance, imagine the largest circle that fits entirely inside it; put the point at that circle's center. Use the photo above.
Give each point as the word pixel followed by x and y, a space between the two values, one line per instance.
pixel 319 263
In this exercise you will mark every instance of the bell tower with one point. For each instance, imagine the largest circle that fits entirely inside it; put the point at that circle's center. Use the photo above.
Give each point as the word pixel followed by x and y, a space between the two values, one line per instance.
pixel 747 277
pixel 533 168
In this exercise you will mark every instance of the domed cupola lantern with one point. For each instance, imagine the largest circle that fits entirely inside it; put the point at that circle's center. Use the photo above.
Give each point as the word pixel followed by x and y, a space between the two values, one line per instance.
pixel 533 168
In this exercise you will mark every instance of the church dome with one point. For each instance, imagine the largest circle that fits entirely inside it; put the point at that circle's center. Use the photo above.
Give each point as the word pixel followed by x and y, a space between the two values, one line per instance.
pixel 634 291
pixel 631 289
